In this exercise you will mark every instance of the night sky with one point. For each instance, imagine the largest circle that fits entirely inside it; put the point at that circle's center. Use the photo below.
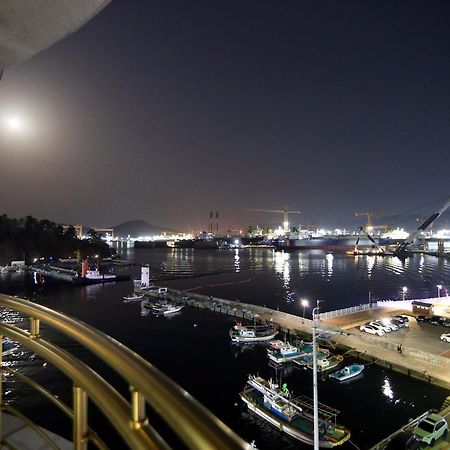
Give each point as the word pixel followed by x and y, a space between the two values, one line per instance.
pixel 166 110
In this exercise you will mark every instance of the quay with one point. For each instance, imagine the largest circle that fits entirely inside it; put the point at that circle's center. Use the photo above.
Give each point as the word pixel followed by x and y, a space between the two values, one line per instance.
pixel 423 356
pixel 73 277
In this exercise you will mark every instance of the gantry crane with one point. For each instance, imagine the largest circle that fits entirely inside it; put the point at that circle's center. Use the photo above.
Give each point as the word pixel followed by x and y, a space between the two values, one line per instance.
pixel 285 211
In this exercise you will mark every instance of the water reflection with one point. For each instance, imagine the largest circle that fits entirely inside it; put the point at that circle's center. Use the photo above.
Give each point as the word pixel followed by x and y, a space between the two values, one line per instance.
pixel 282 269
pixel 386 389
pixel 370 264
pixel 329 258
pixel 236 261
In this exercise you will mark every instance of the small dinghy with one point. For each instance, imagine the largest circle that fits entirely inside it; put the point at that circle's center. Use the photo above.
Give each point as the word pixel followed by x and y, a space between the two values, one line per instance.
pixel 347 372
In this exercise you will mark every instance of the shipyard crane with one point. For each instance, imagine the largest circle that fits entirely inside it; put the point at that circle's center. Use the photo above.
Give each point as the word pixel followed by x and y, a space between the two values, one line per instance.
pixel 285 211
pixel 370 226
pixel 369 219
pixel 401 249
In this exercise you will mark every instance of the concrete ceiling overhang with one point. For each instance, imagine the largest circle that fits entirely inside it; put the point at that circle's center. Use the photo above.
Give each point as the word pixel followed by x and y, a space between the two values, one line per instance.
pixel 29 26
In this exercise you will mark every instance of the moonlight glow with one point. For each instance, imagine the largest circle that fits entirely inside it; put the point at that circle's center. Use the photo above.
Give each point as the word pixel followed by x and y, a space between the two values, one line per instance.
pixel 14 124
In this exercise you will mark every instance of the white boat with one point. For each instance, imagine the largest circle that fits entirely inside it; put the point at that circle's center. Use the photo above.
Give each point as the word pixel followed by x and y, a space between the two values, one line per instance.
pixel 133 297
pixel 347 372
pixel 172 309
pixel 285 353
pixel 96 275
pixel 293 416
pixel 166 308
pixel 242 333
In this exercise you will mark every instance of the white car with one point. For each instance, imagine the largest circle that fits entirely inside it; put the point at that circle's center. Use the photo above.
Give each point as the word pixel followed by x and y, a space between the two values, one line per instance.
pixel 393 326
pixel 445 337
pixel 372 330
pixel 381 326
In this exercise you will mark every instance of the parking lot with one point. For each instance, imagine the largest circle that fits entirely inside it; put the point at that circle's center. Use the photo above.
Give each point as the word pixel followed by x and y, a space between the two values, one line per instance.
pixel 422 336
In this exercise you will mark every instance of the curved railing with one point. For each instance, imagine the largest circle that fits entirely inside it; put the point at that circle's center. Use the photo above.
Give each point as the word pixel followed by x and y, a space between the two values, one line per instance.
pixel 190 421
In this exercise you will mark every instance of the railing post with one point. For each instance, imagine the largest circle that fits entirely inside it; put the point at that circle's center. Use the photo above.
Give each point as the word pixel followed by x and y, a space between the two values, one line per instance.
pixel 138 415
pixel 34 328
pixel 80 421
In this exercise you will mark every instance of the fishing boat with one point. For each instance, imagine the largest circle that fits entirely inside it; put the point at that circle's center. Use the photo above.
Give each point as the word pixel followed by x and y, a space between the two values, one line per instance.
pixel 133 297
pixel 293 416
pixel 307 358
pixel 327 363
pixel 285 353
pixel 242 333
pixel 347 372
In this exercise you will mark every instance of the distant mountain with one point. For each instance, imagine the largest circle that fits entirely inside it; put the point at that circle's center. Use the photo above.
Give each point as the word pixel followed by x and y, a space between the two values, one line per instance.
pixel 136 228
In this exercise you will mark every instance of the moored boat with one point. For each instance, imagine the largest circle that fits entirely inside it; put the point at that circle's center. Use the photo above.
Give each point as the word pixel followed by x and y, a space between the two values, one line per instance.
pixel 242 333
pixel 307 358
pixel 133 297
pixel 294 416
pixel 327 363
pixel 347 372
pixel 285 353
pixel 170 309
pixel 165 308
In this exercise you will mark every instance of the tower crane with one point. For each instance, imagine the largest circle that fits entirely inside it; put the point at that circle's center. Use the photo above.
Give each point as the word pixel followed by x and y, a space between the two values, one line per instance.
pixel 369 219
pixel 285 211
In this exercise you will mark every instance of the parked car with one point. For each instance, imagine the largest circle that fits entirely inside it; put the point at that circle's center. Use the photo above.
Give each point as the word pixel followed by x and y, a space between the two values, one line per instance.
pixel 399 323
pixel 445 337
pixel 380 326
pixel 371 329
pixel 401 317
pixel 430 429
pixel 436 320
pixel 446 322
pixel 425 319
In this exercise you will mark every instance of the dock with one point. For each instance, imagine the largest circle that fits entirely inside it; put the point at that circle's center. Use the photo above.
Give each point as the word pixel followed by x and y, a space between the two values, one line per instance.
pixel 417 358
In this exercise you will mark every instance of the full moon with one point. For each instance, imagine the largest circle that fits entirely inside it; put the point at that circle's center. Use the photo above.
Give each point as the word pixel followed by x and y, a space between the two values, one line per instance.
pixel 15 123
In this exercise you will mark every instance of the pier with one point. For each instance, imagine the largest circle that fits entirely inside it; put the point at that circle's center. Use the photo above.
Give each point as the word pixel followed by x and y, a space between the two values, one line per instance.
pixel 416 360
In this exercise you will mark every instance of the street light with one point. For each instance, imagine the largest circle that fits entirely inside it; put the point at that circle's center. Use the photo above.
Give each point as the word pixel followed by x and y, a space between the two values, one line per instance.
pixel 439 287
pixel 305 303
pixel 404 290
pixel 315 393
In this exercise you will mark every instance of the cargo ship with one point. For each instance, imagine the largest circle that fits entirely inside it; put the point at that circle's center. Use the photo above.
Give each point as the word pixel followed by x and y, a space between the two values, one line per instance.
pixel 334 243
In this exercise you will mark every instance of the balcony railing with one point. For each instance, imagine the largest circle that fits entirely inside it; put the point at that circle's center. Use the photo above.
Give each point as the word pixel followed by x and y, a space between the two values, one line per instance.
pixel 194 425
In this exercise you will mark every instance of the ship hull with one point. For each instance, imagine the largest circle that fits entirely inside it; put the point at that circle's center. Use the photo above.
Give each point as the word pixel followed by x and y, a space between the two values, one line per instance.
pixel 343 244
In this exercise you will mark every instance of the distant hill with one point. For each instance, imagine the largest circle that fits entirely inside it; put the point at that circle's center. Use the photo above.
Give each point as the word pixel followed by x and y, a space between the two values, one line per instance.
pixel 136 228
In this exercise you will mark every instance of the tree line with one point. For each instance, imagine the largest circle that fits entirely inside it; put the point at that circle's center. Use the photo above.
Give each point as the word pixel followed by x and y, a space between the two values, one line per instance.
pixel 29 238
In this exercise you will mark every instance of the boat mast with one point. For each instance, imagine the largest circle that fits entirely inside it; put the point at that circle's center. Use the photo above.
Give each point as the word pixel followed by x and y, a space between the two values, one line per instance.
pixel 315 393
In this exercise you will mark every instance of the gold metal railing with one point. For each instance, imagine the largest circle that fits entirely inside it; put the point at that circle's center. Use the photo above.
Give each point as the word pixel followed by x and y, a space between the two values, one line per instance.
pixel 190 421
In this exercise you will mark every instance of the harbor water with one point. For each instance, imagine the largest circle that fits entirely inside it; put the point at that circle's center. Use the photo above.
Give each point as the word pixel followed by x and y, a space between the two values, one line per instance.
pixel 194 349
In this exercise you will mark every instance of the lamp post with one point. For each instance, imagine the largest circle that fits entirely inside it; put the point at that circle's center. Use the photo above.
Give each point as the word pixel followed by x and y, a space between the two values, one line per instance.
pixel 315 393
pixel 404 290
pixel 439 287
pixel 305 303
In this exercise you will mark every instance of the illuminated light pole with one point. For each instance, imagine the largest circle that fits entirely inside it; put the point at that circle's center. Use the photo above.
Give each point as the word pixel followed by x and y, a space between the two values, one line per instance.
pixel 404 290
pixel 439 287
pixel 315 393
pixel 305 303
